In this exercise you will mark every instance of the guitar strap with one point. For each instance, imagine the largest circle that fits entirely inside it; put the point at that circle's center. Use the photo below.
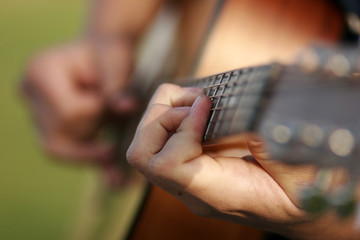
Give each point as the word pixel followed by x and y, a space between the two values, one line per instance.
pixel 210 27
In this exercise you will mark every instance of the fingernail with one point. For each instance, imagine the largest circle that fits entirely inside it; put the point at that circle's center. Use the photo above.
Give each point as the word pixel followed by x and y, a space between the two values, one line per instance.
pixel 198 99
pixel 254 143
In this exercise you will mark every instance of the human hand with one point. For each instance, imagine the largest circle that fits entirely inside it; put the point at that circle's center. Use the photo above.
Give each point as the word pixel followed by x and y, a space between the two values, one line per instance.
pixel 231 184
pixel 71 95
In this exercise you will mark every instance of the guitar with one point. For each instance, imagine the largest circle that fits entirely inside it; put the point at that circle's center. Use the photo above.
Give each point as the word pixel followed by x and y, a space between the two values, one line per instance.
pixel 277 102
pixel 230 34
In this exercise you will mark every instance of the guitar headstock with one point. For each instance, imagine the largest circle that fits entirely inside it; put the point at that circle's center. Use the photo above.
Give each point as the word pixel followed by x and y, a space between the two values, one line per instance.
pixel 307 112
pixel 312 116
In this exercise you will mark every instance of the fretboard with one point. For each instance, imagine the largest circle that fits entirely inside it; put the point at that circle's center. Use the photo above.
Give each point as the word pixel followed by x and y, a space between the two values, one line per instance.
pixel 238 97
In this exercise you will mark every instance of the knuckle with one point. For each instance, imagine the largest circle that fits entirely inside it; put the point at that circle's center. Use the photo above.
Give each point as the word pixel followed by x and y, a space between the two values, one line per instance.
pixel 167 88
pixel 134 156
pixel 36 74
pixel 155 108
pixel 37 66
pixel 164 86
pixel 154 111
pixel 193 148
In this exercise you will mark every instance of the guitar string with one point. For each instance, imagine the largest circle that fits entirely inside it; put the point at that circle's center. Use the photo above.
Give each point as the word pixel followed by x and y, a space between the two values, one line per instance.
pixel 226 117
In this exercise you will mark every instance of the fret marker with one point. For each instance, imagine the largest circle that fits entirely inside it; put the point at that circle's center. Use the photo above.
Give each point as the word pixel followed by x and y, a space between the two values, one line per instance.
pixel 281 134
pixel 338 65
pixel 312 135
pixel 341 142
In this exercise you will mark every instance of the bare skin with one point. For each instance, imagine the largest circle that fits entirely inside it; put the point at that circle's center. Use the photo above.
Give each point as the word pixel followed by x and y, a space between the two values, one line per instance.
pixel 253 190
pixel 72 88
pixel 64 90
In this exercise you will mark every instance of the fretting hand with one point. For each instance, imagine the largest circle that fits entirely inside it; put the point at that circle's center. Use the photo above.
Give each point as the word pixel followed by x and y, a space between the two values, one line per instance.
pixel 238 185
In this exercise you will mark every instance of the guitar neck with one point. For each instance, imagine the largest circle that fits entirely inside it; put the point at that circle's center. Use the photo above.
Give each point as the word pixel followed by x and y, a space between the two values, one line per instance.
pixel 238 98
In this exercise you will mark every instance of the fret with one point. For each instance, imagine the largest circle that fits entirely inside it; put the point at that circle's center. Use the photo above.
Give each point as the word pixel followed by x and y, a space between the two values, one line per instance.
pixel 222 113
pixel 215 121
pixel 214 86
pixel 215 112
pixel 244 113
pixel 233 103
pixel 236 98
pixel 218 79
pixel 227 77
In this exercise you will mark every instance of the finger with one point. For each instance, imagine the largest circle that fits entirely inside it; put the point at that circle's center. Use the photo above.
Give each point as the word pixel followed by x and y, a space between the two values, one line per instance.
pixel 175 96
pixel 125 103
pixel 76 110
pixel 185 144
pixel 115 60
pixel 42 115
pixel 258 150
pixel 153 132
pixel 159 120
pixel 114 176
pixel 54 81
pixel 80 152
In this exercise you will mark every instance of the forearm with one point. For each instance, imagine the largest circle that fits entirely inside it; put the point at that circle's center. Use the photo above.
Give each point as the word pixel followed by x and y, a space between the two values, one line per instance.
pixel 114 18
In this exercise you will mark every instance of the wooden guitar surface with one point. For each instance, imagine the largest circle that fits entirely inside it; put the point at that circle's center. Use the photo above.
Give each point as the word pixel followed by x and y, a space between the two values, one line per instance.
pixel 246 33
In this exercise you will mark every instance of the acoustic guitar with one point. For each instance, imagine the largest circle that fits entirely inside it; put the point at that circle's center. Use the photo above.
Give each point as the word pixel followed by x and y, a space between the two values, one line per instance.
pixel 212 37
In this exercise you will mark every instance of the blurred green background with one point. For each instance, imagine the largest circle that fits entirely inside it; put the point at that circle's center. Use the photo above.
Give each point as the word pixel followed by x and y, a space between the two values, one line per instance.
pixel 39 199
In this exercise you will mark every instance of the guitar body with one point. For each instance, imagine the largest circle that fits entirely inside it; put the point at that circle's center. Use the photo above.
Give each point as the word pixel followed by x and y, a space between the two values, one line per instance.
pixel 244 33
